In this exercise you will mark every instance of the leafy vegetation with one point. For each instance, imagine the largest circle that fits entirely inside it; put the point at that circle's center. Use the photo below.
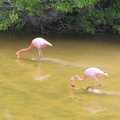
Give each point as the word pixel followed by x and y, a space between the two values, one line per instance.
pixel 62 16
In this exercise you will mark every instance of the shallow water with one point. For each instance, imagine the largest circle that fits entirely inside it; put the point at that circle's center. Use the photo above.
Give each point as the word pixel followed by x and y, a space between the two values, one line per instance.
pixel 40 90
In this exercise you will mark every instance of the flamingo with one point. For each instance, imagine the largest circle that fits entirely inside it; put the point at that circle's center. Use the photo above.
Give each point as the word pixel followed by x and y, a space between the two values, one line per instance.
pixel 38 43
pixel 92 73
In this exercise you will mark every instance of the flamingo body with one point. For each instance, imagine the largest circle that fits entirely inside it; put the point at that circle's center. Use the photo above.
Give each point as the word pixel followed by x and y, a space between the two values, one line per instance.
pixel 38 43
pixel 92 73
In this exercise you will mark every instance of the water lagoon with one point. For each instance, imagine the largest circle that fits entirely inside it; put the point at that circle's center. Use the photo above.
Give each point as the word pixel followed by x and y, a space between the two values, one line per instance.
pixel 40 90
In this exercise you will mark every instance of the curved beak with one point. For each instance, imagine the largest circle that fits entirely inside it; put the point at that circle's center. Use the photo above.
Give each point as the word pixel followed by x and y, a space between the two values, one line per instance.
pixel 71 83
pixel 17 55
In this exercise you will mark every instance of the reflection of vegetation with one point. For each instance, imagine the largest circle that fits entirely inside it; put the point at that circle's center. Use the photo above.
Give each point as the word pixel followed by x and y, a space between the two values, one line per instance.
pixel 63 16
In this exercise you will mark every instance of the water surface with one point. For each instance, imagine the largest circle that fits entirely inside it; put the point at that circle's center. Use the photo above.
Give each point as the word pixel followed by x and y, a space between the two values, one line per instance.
pixel 40 90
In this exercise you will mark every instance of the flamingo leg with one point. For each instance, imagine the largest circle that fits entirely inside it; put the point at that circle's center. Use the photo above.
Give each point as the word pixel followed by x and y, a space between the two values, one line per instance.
pixel 100 84
pixel 40 53
pixel 93 84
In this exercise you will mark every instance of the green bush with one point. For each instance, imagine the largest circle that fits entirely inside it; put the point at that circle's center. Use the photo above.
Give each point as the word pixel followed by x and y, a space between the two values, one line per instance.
pixel 62 16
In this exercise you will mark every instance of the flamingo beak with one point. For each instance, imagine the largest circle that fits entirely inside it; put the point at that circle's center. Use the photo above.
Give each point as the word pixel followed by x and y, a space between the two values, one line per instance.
pixel 17 55
pixel 71 83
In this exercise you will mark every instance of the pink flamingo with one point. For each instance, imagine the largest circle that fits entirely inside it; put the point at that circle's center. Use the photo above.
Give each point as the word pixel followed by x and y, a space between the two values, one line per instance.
pixel 92 73
pixel 37 42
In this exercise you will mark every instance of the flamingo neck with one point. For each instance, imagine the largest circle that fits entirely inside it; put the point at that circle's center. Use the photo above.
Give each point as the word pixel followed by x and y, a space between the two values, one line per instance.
pixel 30 47
pixel 73 78
pixel 76 76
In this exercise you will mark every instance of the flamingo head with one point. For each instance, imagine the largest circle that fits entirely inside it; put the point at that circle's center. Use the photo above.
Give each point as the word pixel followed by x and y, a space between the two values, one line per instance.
pixel 17 54
pixel 72 82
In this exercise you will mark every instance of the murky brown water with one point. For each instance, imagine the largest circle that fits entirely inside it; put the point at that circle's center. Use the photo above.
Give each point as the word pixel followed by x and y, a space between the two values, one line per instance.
pixel 40 90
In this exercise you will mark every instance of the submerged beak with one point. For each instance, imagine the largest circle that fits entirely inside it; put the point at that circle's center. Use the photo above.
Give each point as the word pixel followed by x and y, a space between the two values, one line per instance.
pixel 72 85
pixel 17 55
